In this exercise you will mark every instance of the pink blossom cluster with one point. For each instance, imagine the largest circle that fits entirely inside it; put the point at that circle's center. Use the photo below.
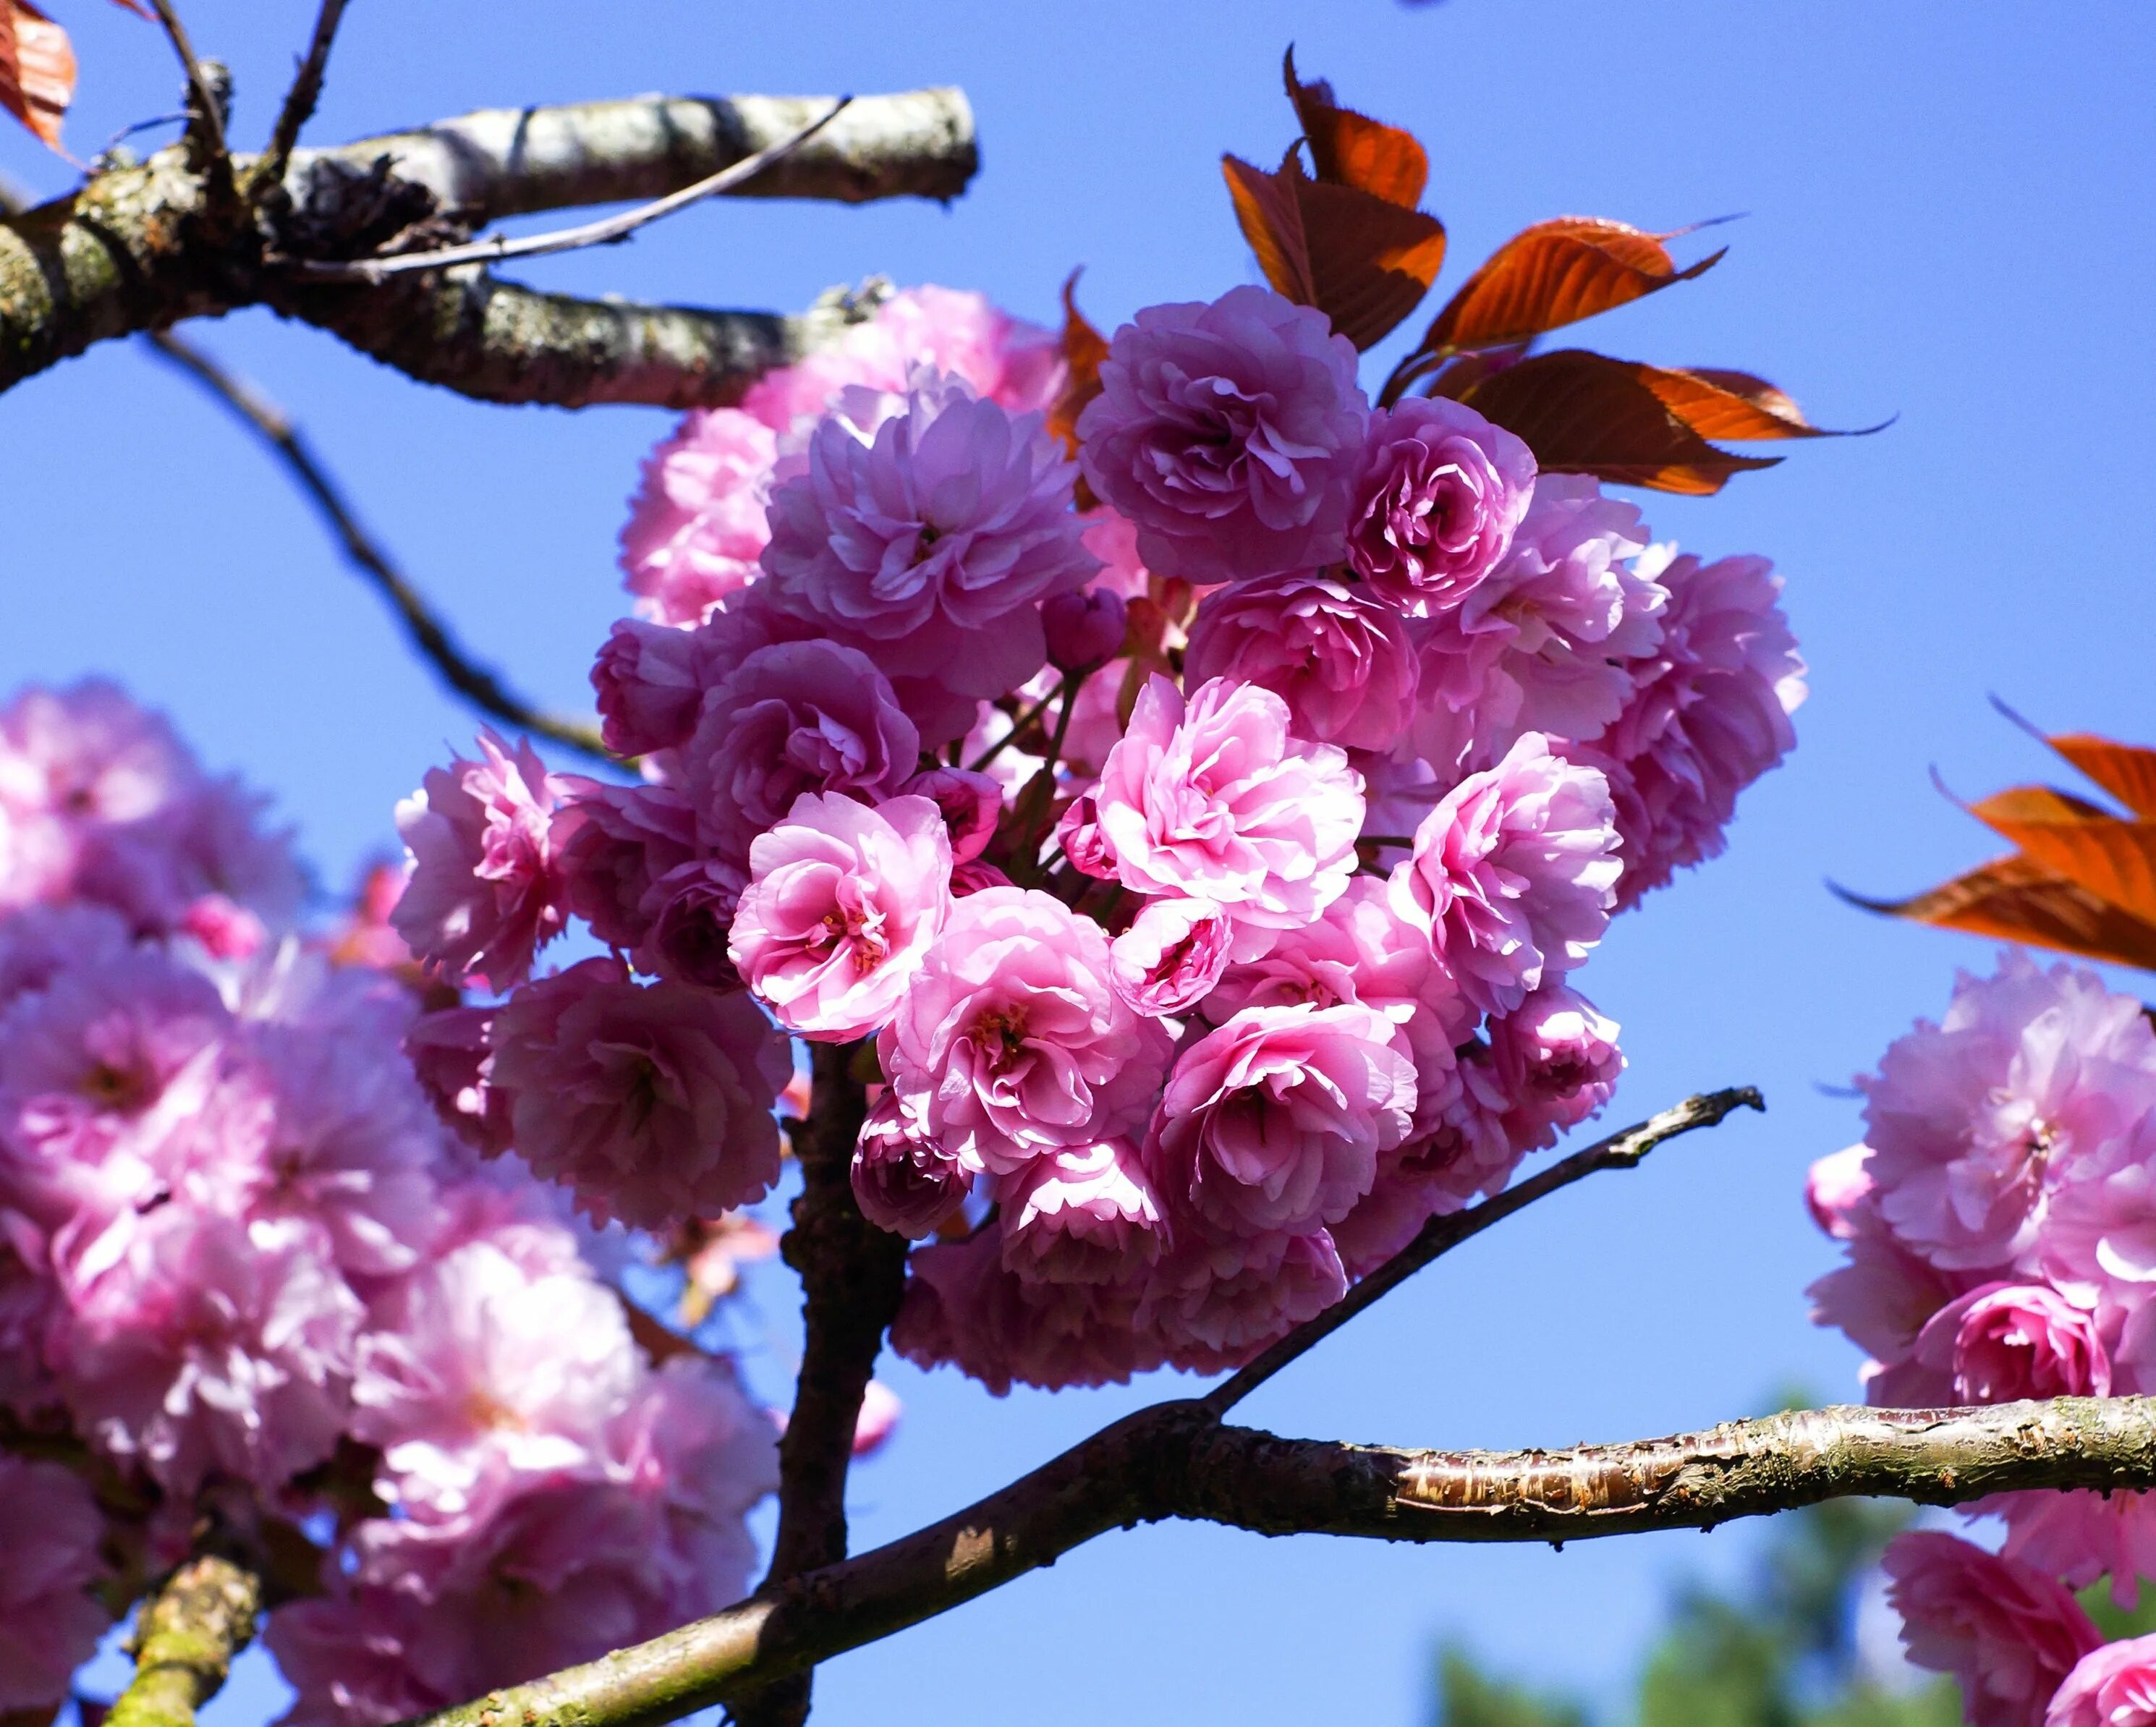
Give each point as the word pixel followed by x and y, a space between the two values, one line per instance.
pixel 245 1262
pixel 1208 943
pixel 1997 1220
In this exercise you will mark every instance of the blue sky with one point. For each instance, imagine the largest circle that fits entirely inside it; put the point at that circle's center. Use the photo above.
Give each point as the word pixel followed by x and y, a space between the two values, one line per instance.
pixel 1948 219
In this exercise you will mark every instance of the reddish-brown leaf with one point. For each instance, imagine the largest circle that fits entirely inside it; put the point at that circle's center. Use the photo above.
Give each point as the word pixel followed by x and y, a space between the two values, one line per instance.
pixel 2125 770
pixel 37 70
pixel 1352 149
pixel 1084 348
pixel 1362 261
pixel 1554 274
pixel 2016 899
pixel 1720 404
pixel 2071 837
pixel 1584 413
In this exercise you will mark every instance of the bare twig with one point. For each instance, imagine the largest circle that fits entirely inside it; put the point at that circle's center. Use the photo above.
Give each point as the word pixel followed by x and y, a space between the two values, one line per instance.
pixel 206 102
pixel 425 627
pixel 306 92
pixel 608 230
pixel 186 1636
pixel 1175 1461
pixel 1441 1234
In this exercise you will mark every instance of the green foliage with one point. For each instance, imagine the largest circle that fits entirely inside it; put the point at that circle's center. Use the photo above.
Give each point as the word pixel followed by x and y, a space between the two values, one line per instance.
pixel 1775 1653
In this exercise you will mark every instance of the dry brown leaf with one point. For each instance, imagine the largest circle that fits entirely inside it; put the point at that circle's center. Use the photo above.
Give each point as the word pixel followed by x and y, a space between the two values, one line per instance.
pixel 1554 274
pixel 37 70
pixel 1084 348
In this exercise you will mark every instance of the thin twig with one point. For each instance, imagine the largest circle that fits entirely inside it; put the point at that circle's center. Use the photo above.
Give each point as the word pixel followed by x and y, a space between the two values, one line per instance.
pixel 207 105
pixel 1441 1234
pixel 607 231
pixel 299 100
pixel 427 631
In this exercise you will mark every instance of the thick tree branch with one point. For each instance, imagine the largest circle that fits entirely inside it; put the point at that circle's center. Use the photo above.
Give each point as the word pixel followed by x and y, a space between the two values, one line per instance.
pixel 1441 1234
pixel 186 1636
pixel 140 248
pixel 1175 1461
pixel 423 626
pixel 852 1276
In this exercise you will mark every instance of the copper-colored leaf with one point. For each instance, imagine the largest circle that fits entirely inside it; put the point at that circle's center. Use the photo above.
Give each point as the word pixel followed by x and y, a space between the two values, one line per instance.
pixel 37 70
pixel 1584 413
pixel 2016 899
pixel 1720 404
pixel 1352 149
pixel 1362 261
pixel 1554 274
pixel 2125 770
pixel 2068 836
pixel 1084 348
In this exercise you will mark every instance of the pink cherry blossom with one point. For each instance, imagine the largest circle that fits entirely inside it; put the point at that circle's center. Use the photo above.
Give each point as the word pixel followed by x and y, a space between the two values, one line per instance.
pixel 1440 494
pixel 1215 1304
pixel 1708 713
pixel 1556 1060
pixel 2004 1341
pixel 1341 661
pixel 1358 950
pixel 451 1057
pixel 1512 874
pixel 1274 1122
pixel 879 1419
pixel 1013 1041
pixel 1836 1188
pixel 652 1102
pixel 902 1181
pixel 2007 1633
pixel 1084 1215
pixel 1229 434
pixel 648 679
pixel 486 886
pixel 1171 957
pixel 931 546
pixel 793 718
pixel 1083 629
pixel 1212 799
pixel 842 904
pixel 2114 1686
pixel 50 1623
pixel 692 919
pixel 696 526
pixel 1975 1123
pixel 615 843
pixel 972 804
pixel 2079 1537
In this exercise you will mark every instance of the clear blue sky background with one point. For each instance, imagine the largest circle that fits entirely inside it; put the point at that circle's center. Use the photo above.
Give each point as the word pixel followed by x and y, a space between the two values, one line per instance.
pixel 1949 220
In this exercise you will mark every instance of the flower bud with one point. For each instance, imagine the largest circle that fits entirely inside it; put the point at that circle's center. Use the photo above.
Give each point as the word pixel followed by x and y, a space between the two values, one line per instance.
pixel 1085 629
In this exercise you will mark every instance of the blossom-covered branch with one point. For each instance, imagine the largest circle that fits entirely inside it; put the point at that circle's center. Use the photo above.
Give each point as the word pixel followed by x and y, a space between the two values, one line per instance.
pixel 423 626
pixel 142 247
pixel 1172 1461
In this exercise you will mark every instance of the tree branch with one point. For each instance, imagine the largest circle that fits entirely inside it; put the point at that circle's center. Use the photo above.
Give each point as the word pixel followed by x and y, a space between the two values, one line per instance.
pixel 1441 1234
pixel 186 1636
pixel 853 1275
pixel 306 92
pixel 423 626
pixel 1175 1461
pixel 142 247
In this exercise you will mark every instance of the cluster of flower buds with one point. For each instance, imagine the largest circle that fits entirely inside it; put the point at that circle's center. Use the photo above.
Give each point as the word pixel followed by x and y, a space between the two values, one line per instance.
pixel 1201 820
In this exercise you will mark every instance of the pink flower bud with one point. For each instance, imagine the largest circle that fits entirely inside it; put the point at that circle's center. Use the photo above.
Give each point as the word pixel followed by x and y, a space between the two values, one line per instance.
pixel 1085 629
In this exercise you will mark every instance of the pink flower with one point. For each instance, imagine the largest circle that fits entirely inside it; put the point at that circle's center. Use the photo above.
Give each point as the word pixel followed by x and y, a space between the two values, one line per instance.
pixel 972 804
pixel 902 1181
pixel 696 525
pixel 1274 1122
pixel 453 1059
pixel 692 920
pixel 1541 643
pixel 2009 1634
pixel 1083 629
pixel 1357 951
pixel 2114 1686
pixel 879 1419
pixel 49 1622
pixel 1556 1060
pixel 482 1372
pixel 487 887
pixel 1084 1215
pixel 932 546
pixel 794 718
pixel 842 903
pixel 1883 1297
pixel 1708 713
pixel 1340 661
pixel 1213 800
pixel 1441 492
pixel 1005 359
pixel 2078 1537
pixel 613 843
pixel 1013 1041
pixel 213 1348
pixel 653 1101
pixel 1976 1123
pixel 1836 1188
pixel 1215 1304
pixel 2003 1342
pixel 648 678
pixel 1512 873
pixel 1229 434
pixel 1172 955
